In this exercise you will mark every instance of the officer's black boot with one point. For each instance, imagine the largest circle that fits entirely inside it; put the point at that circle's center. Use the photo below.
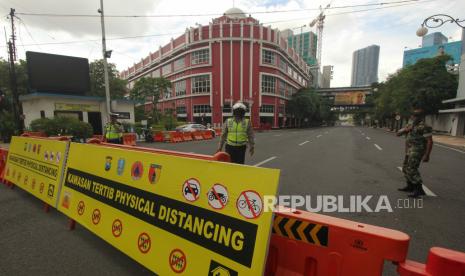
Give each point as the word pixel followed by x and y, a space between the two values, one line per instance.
pixel 408 188
pixel 418 192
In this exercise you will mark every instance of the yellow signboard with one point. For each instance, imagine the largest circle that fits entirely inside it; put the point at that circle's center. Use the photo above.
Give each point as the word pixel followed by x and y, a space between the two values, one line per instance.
pixel 36 165
pixel 174 215
pixel 76 107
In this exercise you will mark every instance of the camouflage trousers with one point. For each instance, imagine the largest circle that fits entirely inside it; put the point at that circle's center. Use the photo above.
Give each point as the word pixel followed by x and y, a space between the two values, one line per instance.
pixel 410 167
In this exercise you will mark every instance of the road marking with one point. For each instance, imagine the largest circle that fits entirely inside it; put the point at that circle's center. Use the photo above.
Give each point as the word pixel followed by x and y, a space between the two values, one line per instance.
pixel 363 133
pixel 277 135
pixel 428 192
pixel 446 147
pixel 368 138
pixel 326 132
pixel 378 147
pixel 264 161
pixel 303 143
pixel 319 136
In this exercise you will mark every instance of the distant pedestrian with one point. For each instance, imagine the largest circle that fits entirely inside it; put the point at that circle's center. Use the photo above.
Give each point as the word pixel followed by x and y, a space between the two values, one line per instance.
pixel 237 132
pixel 113 131
pixel 419 144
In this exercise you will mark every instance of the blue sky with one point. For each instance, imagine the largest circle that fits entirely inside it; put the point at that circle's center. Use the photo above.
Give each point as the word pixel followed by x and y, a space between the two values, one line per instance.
pixel 391 28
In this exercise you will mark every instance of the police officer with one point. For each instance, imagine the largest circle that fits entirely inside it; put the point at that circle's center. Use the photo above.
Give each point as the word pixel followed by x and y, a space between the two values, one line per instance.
pixel 113 131
pixel 237 132
pixel 419 144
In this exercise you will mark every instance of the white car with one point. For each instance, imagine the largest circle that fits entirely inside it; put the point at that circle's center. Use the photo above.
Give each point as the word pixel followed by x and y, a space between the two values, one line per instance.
pixel 194 127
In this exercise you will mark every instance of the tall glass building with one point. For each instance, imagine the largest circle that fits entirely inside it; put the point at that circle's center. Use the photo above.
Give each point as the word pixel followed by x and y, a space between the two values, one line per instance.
pixel 365 66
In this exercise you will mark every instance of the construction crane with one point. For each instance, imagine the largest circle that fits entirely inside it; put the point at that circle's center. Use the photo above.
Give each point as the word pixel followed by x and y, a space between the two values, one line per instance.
pixel 319 22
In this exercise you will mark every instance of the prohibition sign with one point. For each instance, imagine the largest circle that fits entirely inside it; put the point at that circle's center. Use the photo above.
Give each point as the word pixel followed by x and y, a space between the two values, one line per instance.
pixel 218 196
pixel 249 204
pixel 96 215
pixel 191 189
pixel 144 243
pixel 81 207
pixel 117 228
pixel 178 261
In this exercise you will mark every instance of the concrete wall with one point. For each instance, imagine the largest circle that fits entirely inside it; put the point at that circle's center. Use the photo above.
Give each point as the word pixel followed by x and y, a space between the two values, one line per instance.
pixel 443 123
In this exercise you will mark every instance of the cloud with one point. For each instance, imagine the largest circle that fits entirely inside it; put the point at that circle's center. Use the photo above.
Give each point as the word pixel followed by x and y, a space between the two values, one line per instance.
pixel 391 28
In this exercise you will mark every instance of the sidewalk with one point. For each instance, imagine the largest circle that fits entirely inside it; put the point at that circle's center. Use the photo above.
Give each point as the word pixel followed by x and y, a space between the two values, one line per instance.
pixel 446 140
pixel 456 142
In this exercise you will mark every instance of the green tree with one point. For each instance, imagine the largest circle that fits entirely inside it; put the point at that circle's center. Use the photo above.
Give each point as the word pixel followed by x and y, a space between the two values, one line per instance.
pixel 97 80
pixel 422 85
pixel 150 89
pixel 305 107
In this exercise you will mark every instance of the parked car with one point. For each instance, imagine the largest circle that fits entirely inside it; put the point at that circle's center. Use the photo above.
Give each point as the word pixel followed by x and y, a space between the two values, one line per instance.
pixel 194 127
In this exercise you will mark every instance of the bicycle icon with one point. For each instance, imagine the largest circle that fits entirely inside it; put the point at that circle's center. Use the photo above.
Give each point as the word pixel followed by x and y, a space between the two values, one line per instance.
pixel 253 204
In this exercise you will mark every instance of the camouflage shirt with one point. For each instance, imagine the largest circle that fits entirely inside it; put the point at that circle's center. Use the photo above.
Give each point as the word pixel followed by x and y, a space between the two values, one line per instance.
pixel 418 135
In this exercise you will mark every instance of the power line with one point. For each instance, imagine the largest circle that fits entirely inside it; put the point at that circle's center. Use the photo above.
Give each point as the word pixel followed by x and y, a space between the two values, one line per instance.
pixel 174 34
pixel 210 14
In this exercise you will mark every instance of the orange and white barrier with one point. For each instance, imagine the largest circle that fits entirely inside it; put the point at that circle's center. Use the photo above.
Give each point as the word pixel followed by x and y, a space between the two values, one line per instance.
pixel 129 139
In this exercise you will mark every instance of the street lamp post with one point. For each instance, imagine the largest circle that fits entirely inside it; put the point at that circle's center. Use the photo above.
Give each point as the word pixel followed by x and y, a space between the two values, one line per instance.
pixel 436 21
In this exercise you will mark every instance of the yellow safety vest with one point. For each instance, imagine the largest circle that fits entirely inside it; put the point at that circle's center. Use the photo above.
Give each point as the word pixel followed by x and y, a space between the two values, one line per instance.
pixel 112 131
pixel 237 132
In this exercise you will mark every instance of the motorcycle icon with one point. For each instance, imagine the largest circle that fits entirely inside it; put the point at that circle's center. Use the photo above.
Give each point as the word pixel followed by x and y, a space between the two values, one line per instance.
pixel 222 197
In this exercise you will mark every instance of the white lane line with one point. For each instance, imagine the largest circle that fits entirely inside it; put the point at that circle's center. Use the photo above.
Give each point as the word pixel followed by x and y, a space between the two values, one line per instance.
pixel 446 147
pixel 368 138
pixel 277 135
pixel 303 143
pixel 319 136
pixel 428 192
pixel 363 133
pixel 264 161
pixel 378 147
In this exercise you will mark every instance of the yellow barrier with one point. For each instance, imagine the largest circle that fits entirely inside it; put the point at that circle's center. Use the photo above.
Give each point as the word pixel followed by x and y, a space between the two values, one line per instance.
pixel 171 214
pixel 36 166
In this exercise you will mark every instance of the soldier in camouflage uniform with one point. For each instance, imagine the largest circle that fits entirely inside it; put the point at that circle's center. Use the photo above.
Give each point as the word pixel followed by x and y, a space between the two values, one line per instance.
pixel 419 144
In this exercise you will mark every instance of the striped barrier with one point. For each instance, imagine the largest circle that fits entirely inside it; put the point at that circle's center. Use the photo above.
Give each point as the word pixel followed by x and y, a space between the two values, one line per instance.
pixel 187 136
pixel 197 135
pixel 129 139
pixel 158 137
pixel 305 243
pixel 207 135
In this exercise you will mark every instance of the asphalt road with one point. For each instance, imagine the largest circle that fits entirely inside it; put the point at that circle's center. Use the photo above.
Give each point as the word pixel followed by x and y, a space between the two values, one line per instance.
pixel 345 161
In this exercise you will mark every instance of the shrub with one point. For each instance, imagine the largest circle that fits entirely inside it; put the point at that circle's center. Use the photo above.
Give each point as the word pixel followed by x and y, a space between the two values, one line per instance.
pixel 63 126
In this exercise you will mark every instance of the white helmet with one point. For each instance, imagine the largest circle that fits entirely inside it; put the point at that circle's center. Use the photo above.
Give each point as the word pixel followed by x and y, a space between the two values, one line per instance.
pixel 239 105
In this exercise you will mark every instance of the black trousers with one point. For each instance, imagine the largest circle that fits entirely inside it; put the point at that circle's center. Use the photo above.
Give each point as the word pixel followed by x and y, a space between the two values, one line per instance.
pixel 115 141
pixel 237 153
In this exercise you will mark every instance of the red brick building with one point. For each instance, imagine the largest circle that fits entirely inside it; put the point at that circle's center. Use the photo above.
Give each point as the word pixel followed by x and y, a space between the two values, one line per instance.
pixel 233 58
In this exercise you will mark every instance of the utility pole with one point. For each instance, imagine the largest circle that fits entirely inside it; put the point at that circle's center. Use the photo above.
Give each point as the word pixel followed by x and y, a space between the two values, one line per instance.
pixel 106 54
pixel 17 108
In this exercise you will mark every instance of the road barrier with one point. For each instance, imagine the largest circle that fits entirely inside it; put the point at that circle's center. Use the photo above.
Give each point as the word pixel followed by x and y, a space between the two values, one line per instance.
pixel 34 134
pixel 97 136
pixel 207 134
pixel 217 131
pixel 197 135
pixel 35 164
pixel 158 136
pixel 3 158
pixel 129 139
pixel 440 262
pixel 187 136
pixel 301 243
pixel 305 243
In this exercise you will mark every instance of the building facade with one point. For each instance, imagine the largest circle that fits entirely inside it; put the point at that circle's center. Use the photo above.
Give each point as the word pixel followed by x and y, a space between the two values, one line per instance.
pixel 234 58
pixel 327 76
pixel 365 66
pixel 453 49
pixel 304 44
pixel 433 39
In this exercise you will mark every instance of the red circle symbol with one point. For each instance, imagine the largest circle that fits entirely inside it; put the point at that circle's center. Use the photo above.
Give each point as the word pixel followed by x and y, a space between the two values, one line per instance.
pixel 81 207
pixel 96 215
pixel 177 261
pixel 191 189
pixel 249 204
pixel 117 228
pixel 144 243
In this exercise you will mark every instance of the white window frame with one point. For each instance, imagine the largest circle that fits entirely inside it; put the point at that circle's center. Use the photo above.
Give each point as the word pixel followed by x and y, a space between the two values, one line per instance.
pixel 268 57
pixel 204 90
pixel 180 88
pixel 268 84
pixel 201 56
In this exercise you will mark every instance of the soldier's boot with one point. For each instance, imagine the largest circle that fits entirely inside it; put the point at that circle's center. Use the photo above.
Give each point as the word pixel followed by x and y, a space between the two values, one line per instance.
pixel 408 188
pixel 418 192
